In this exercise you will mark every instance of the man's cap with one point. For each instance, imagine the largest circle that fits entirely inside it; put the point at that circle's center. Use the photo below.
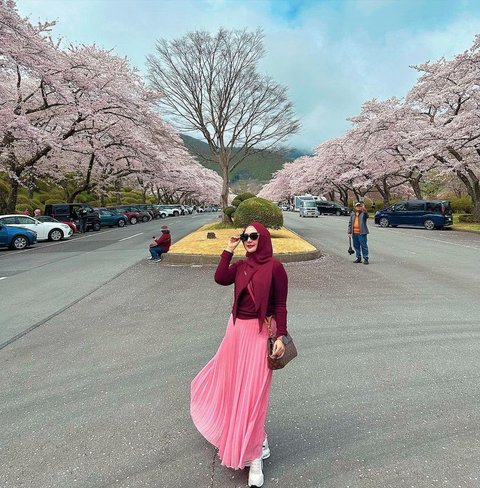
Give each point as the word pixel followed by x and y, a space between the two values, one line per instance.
pixel 358 204
pixel 164 227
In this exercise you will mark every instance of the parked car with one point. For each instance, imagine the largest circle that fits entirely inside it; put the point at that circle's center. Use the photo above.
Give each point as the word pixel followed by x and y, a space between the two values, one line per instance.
pixel 332 208
pixel 171 210
pixel 308 208
pixel 144 215
pixel 68 212
pixel 110 218
pixel 48 218
pixel 432 214
pixel 154 212
pixel 16 238
pixel 51 231
pixel 132 217
pixel 162 212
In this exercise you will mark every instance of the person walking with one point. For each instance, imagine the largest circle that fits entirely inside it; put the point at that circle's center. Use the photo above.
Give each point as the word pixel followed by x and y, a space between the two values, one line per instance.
pixel 160 245
pixel 26 212
pixel 229 397
pixel 358 230
pixel 37 212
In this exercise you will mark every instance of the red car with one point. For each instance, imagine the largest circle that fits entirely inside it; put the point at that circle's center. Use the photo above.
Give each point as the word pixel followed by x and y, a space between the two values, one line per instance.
pixel 47 218
pixel 133 217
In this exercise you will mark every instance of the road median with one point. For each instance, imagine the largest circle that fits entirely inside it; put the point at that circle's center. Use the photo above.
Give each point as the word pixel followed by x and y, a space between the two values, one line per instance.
pixel 205 245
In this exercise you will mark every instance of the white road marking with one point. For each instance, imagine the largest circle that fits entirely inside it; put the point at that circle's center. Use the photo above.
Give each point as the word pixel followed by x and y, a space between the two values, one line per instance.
pixel 59 242
pixel 3 277
pixel 134 235
pixel 445 242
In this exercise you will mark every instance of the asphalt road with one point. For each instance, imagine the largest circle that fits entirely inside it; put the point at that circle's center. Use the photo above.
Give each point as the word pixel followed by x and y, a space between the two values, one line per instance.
pixel 384 393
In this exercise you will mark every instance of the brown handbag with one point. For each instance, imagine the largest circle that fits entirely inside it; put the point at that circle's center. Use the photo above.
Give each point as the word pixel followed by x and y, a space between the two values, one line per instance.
pixel 290 349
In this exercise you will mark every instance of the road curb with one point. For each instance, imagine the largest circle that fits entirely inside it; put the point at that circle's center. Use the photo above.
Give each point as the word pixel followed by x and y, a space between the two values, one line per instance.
pixel 172 258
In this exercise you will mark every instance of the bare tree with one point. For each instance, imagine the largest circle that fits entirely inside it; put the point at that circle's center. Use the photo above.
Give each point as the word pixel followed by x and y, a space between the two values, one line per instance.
pixel 211 84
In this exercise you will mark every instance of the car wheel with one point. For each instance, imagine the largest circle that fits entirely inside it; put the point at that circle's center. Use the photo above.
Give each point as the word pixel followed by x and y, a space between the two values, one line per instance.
pixel 96 226
pixel 429 224
pixel 158 216
pixel 55 235
pixel 18 243
pixel 338 213
pixel 384 222
pixel 121 223
pixel 133 220
pixel 175 213
pixel 145 218
pixel 163 215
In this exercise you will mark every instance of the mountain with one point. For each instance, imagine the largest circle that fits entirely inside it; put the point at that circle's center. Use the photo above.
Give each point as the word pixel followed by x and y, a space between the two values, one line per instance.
pixel 257 166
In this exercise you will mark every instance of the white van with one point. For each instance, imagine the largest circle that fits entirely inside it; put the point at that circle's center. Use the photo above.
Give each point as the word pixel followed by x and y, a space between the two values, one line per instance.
pixel 308 208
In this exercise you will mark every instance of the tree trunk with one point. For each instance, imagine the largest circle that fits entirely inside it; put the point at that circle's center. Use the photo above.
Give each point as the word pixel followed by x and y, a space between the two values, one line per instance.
pixel 12 196
pixel 224 196
pixel 415 184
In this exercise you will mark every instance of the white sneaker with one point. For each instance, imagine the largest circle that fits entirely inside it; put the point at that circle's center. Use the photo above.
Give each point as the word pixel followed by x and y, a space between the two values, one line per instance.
pixel 265 452
pixel 255 476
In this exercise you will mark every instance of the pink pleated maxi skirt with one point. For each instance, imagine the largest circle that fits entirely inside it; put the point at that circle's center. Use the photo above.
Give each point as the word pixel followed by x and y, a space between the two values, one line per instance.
pixel 230 395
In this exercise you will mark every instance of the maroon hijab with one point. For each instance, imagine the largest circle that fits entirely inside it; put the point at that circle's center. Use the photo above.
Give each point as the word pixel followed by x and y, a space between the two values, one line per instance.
pixel 258 271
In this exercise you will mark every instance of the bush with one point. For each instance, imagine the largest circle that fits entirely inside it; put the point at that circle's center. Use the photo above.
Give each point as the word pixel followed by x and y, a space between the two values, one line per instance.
pixel 241 198
pixel 260 210
pixel 468 219
pixel 461 204
pixel 229 211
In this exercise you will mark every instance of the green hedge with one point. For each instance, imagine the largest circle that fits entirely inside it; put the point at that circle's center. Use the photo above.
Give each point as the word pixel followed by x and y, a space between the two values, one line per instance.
pixel 468 219
pixel 229 211
pixel 260 210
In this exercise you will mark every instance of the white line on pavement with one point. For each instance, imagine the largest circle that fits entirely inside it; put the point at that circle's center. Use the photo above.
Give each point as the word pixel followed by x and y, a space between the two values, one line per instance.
pixel 75 239
pixel 3 277
pixel 447 242
pixel 134 235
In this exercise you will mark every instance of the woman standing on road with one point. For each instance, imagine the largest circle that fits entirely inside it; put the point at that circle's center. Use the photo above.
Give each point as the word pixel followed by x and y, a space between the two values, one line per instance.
pixel 230 395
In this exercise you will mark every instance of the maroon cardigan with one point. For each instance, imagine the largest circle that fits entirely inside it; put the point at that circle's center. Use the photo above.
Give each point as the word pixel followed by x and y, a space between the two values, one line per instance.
pixel 243 306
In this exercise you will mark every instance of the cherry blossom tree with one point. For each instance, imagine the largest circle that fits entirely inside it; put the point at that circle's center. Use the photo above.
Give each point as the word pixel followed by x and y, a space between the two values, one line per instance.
pixel 447 99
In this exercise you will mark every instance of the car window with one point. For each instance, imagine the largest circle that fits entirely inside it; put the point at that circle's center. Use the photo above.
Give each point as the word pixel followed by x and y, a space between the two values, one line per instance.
pixel 24 220
pixel 434 207
pixel 415 206
pixel 8 220
pixel 400 207
pixel 61 209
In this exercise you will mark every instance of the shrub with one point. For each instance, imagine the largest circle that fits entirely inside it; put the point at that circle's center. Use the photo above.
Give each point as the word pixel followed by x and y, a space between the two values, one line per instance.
pixel 228 211
pixel 468 219
pixel 461 204
pixel 241 198
pixel 260 210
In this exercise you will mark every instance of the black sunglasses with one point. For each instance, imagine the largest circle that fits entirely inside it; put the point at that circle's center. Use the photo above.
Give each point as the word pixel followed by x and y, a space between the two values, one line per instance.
pixel 244 237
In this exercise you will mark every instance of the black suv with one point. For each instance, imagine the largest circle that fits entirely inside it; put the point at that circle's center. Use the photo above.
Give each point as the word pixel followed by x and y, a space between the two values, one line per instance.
pixel 332 208
pixel 68 212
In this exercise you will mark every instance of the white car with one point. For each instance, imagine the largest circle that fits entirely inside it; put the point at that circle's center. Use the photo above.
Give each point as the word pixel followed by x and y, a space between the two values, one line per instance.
pixel 46 231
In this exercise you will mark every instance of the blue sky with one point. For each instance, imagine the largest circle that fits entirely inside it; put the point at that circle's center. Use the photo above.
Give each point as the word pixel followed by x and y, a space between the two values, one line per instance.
pixel 331 54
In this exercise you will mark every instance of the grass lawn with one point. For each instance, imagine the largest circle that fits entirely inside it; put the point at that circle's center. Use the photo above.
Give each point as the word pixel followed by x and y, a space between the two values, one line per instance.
pixel 284 241
pixel 458 226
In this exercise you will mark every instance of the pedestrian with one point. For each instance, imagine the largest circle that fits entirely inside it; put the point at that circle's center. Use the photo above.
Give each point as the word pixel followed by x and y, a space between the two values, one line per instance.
pixel 358 230
pixel 82 220
pixel 26 212
pixel 229 397
pixel 37 212
pixel 374 206
pixel 160 245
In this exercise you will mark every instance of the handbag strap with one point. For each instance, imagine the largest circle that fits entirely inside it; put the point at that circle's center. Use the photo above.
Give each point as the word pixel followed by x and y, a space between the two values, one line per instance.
pixel 268 323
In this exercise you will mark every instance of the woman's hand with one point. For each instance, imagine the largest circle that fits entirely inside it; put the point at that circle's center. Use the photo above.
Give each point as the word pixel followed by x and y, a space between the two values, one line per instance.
pixel 233 243
pixel 278 348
